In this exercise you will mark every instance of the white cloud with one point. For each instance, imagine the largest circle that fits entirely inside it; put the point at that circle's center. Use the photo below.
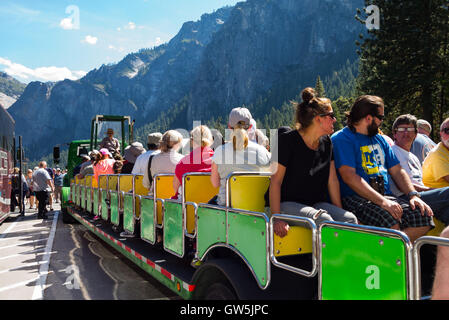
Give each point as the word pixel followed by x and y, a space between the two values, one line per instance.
pixel 90 40
pixel 130 26
pixel 51 73
pixel 158 41
pixel 67 24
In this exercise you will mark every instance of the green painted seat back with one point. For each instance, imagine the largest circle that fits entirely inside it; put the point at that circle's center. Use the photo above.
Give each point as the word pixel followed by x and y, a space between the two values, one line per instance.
pixel 358 264
pixel 211 228
pixel 147 226
pixel 173 228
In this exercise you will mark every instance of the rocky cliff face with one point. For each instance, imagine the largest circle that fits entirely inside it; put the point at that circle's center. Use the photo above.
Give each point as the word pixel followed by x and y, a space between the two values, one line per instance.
pixel 140 85
pixel 228 58
pixel 10 90
pixel 266 42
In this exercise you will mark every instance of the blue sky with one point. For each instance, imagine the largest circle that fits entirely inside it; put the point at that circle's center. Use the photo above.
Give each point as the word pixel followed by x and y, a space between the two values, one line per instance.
pixel 49 40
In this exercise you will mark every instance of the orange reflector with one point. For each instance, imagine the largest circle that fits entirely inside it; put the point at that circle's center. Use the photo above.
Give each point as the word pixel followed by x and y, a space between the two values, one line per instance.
pixel 178 286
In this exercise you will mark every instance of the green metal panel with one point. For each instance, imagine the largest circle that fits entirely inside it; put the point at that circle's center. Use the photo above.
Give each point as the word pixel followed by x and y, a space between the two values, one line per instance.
pixel 83 197
pixel 362 266
pixel 104 205
pixel 147 219
pixel 95 201
pixel 77 195
pixel 72 193
pixel 173 228
pixel 88 199
pixel 248 234
pixel 211 228
pixel 115 215
pixel 128 213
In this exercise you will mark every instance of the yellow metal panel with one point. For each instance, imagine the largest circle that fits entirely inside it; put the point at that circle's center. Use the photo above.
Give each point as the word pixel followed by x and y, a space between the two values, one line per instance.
pixel 103 181
pixel 112 185
pixel 297 241
pixel 164 190
pixel 137 206
pixel 139 189
pixel 198 189
pixel 247 192
pixel 126 183
pixel 88 180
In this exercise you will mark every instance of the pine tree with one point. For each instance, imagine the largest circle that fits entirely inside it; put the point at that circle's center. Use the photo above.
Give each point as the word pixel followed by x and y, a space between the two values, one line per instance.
pixel 406 60
pixel 319 88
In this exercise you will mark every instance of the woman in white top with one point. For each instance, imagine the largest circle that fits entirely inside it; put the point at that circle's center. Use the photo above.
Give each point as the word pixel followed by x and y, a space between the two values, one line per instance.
pixel 240 154
pixel 167 159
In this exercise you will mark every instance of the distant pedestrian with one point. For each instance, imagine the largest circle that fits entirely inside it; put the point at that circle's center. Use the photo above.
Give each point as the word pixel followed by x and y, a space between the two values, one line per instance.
pixel 50 199
pixel 58 179
pixel 16 199
pixel 43 185
pixel 31 194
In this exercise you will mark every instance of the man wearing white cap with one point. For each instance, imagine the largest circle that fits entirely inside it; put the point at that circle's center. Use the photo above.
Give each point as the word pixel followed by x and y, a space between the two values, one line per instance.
pixel 141 164
pixel 422 144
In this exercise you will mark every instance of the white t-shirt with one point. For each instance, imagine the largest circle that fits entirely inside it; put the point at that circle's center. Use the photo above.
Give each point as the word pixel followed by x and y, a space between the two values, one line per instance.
pixel 163 162
pixel 141 164
pixel 411 164
pixel 253 158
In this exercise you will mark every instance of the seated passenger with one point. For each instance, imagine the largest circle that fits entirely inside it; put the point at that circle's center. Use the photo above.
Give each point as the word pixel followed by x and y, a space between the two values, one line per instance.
pixel 366 163
pixel 130 156
pixel 199 160
pixel 436 165
pixel 405 131
pixel 305 174
pixel 103 164
pixel 240 154
pixel 88 166
pixel 166 160
pixel 141 165
pixel 423 143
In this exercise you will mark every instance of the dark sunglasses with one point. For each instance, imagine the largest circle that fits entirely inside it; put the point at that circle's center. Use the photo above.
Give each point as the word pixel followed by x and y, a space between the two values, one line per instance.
pixel 446 130
pixel 381 117
pixel 331 114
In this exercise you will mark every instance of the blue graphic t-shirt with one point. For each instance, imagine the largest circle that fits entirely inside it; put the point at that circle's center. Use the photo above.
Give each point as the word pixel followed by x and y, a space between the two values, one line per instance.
pixel 370 156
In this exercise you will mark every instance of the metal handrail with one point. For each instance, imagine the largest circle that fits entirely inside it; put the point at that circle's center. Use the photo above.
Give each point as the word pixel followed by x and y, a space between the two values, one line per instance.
pixel 438 241
pixel 313 227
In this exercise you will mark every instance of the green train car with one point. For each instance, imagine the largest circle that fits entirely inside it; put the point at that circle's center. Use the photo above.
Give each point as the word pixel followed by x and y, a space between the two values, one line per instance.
pixel 203 251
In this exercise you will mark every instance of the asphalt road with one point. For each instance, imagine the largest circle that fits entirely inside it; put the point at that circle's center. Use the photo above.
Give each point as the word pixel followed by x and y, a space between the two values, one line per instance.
pixel 50 260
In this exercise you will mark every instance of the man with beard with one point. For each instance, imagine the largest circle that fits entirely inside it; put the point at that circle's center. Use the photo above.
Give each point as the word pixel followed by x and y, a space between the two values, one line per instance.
pixel 436 165
pixel 365 164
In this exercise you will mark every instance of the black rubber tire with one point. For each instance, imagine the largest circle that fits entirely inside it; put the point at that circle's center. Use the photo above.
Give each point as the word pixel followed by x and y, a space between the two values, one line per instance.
pixel 220 291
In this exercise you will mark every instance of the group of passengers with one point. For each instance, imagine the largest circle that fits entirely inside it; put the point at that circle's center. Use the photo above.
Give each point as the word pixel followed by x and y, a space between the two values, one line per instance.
pixel 356 175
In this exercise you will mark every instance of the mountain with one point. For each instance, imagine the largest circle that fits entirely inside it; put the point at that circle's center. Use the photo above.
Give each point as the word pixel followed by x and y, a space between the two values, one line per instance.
pixel 141 85
pixel 10 90
pixel 260 53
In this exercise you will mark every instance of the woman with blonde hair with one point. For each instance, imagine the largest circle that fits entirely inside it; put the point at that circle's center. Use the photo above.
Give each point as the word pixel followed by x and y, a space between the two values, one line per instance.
pixel 199 160
pixel 306 174
pixel 240 154
pixel 166 160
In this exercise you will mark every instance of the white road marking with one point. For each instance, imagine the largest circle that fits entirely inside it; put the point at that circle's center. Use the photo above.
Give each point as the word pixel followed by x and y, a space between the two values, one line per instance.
pixel 43 270
pixel 22 243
